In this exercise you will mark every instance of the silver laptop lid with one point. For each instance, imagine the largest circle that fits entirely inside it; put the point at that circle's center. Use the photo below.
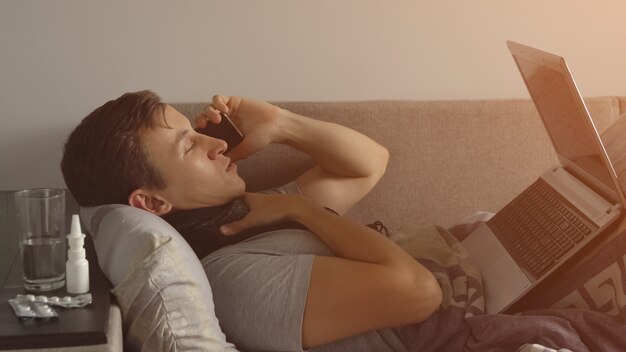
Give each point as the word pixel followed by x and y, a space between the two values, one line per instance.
pixel 566 118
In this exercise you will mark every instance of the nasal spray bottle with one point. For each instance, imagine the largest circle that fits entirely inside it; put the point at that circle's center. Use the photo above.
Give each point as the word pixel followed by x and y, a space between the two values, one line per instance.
pixel 76 267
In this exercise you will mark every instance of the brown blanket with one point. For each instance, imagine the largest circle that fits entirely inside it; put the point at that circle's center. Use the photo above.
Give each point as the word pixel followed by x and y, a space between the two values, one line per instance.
pixel 461 325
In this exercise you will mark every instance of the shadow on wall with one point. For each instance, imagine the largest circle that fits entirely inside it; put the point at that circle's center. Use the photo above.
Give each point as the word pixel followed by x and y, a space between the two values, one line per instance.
pixel 39 151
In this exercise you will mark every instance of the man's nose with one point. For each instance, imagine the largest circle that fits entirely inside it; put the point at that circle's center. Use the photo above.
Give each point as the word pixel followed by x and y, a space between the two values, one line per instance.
pixel 216 147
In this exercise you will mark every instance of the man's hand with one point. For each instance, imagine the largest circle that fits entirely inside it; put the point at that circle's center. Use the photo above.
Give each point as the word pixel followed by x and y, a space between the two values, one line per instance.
pixel 257 120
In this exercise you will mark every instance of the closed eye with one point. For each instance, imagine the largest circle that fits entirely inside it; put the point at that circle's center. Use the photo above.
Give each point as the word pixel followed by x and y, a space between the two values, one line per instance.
pixel 190 148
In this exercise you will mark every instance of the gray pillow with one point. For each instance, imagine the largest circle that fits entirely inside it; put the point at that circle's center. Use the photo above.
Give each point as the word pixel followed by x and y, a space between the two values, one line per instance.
pixel 159 283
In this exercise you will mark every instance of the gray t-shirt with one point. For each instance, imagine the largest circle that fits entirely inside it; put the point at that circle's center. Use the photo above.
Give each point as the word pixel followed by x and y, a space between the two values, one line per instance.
pixel 260 287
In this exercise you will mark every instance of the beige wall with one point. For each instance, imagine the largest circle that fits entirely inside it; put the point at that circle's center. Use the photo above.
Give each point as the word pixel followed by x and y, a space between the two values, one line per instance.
pixel 60 59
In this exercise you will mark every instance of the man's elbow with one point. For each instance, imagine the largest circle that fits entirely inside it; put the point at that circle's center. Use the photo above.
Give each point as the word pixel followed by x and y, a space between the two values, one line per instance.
pixel 382 159
pixel 427 295
pixel 431 298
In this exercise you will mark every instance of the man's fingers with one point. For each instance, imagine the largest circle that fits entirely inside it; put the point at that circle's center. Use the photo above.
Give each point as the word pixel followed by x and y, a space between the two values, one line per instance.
pixel 234 228
pixel 210 115
pixel 212 112
pixel 219 103
pixel 227 229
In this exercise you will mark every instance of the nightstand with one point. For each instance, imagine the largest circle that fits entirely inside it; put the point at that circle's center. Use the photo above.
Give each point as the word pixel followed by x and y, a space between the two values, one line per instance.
pixel 73 327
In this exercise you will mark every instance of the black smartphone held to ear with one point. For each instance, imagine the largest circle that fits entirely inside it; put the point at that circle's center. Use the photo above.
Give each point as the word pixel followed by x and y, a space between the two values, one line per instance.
pixel 225 130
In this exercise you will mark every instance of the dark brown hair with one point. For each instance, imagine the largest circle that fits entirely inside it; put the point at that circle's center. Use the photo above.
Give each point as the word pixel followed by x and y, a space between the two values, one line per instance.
pixel 104 159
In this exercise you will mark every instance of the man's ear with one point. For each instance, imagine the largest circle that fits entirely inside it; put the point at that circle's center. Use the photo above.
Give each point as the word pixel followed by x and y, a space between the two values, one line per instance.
pixel 146 200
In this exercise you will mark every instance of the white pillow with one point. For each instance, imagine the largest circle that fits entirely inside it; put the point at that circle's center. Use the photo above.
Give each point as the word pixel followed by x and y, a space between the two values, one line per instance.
pixel 160 285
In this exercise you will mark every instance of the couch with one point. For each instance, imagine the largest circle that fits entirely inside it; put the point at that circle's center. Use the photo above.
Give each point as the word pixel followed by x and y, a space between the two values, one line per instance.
pixel 449 159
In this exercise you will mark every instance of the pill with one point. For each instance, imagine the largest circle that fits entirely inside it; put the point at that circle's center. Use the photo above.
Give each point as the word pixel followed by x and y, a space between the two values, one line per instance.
pixel 53 299
pixel 30 297
pixel 42 299
pixel 66 299
pixel 23 307
pixel 44 309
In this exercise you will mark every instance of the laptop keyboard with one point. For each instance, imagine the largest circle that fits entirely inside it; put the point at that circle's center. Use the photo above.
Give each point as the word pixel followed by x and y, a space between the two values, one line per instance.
pixel 539 228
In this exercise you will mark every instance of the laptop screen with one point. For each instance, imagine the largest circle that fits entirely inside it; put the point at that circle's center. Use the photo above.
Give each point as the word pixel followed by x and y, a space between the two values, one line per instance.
pixel 564 117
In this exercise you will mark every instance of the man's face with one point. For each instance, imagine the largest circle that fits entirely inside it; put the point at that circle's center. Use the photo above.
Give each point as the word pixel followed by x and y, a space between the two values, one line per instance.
pixel 196 171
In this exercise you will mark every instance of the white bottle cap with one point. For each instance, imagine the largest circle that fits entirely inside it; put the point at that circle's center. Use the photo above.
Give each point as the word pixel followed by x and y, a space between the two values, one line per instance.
pixel 76 232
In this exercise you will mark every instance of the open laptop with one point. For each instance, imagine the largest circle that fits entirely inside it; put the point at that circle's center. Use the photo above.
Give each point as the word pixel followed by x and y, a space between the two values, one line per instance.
pixel 561 212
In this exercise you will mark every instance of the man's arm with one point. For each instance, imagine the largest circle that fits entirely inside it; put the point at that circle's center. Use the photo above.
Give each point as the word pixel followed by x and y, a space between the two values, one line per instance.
pixel 371 284
pixel 348 163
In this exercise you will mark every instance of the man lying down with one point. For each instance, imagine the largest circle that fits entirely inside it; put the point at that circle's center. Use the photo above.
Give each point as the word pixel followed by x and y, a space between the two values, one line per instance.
pixel 332 279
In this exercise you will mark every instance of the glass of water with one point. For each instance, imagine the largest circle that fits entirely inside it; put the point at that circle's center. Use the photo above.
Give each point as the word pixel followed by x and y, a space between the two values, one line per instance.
pixel 41 225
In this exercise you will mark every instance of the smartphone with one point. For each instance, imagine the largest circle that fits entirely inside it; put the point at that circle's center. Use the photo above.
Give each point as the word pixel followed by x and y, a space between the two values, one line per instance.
pixel 225 130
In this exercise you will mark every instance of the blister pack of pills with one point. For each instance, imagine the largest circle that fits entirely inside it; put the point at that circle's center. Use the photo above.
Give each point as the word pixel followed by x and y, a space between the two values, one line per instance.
pixel 31 306
pixel 32 309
